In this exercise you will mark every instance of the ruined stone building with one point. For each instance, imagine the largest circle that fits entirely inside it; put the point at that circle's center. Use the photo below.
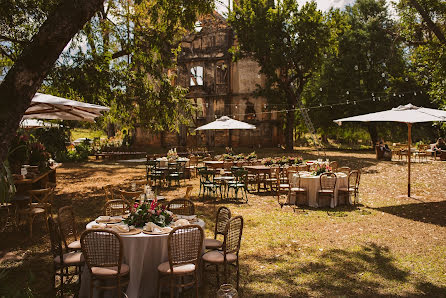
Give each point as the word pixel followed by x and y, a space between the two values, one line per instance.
pixel 218 87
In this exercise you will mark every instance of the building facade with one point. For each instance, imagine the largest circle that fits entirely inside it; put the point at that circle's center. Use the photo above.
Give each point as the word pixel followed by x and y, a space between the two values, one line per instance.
pixel 218 87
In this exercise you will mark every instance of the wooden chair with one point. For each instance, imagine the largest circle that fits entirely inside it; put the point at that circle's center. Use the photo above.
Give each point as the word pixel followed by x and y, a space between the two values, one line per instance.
pixel 345 170
pixel 298 190
pixel 109 192
pixel 102 250
pixel 328 184
pixel 184 246
pixel 181 207
pixel 346 192
pixel 42 198
pixel 62 261
pixel 229 255
pixel 67 224
pixel 117 207
pixel 27 212
pixel 223 216
pixel 302 168
pixel 129 196
pixel 188 192
pixel 334 166
pixel 191 168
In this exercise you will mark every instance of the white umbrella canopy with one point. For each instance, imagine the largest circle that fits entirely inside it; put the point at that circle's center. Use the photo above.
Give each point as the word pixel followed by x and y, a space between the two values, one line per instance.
pixel 225 122
pixel 406 114
pixel 45 106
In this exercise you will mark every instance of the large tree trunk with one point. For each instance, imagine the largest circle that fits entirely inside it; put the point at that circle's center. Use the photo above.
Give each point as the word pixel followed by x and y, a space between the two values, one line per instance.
pixel 373 134
pixel 27 74
pixel 289 133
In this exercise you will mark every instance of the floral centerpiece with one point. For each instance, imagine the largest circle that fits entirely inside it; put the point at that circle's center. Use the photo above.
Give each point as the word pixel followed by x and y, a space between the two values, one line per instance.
pixel 172 154
pixel 267 161
pixel 149 212
pixel 251 156
pixel 38 156
pixel 320 169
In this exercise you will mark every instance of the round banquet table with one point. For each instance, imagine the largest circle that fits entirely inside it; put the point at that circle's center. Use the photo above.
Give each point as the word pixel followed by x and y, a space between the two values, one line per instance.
pixel 165 162
pixel 143 253
pixel 312 185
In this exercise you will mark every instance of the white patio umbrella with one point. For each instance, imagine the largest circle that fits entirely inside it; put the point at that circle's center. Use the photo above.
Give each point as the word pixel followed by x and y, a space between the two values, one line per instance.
pixel 408 114
pixel 45 106
pixel 225 122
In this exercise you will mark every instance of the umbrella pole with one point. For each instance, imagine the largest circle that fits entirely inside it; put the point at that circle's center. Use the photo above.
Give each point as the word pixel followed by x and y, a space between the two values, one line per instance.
pixel 409 154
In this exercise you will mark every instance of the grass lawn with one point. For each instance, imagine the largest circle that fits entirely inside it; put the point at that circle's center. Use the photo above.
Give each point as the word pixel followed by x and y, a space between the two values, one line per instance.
pixel 389 246
pixel 77 133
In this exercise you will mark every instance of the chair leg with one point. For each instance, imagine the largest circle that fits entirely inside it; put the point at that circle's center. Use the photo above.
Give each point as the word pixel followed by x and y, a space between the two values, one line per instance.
pixel 196 283
pixel 171 286
pixel 31 219
pixel 225 270
pixel 238 273
pixel 218 274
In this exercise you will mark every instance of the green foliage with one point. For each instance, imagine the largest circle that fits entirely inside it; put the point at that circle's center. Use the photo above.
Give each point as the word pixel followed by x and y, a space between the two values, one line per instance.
pixel 125 62
pixel 55 140
pixel 287 42
pixel 366 71
pixel 426 53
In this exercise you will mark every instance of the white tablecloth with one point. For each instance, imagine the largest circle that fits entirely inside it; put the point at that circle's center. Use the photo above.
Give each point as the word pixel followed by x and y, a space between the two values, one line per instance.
pixel 164 162
pixel 312 185
pixel 143 253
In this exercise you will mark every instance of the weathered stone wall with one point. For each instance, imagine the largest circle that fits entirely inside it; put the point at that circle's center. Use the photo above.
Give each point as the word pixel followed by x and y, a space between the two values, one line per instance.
pixel 226 89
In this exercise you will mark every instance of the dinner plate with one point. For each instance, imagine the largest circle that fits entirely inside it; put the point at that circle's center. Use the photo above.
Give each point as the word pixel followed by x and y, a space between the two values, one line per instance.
pixel 155 233
pixel 110 221
pixel 134 231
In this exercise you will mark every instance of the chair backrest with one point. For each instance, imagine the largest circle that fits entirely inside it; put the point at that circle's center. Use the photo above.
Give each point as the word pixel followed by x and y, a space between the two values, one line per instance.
pixel 345 170
pixel 328 181
pixel 67 223
pixel 240 176
pixel 129 196
pixel 181 207
pixel 102 248
pixel 109 192
pixel 206 176
pixel 294 179
pixel 184 245
pixel 333 165
pixel 353 178
pixel 188 192
pixel 302 168
pixel 41 196
pixel 233 235
pixel 55 239
pixel 116 207
pixel 223 216
pixel 358 178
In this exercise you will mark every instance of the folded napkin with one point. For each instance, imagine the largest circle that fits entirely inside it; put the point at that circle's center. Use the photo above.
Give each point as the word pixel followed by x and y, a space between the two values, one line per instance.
pixel 103 218
pixel 188 217
pixel 151 227
pixel 121 228
pixel 181 222
pixel 98 226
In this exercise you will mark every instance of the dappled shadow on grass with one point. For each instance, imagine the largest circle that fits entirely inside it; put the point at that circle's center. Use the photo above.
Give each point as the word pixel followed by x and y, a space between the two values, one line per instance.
pixel 432 212
pixel 360 272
